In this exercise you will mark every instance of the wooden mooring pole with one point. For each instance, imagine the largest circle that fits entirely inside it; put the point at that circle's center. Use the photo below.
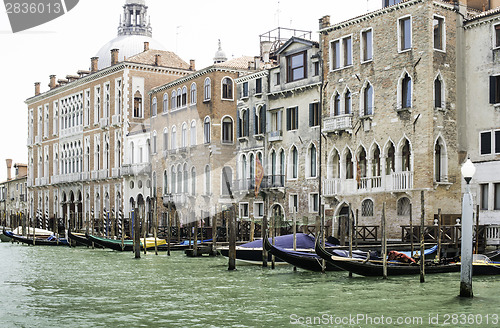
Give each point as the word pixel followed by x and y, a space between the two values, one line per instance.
pixel 232 239
pixel 294 232
pixel 411 231
pixel 214 232
pixel 422 237
pixel 477 230
pixel 440 220
pixel 384 243
pixel 137 234
pixel 264 236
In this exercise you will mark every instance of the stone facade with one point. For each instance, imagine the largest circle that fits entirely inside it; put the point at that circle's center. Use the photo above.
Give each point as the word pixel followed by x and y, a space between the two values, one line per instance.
pixel 13 194
pixel 398 135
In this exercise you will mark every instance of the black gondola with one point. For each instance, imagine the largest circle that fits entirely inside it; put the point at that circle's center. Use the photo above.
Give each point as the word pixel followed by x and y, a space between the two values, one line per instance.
pixel 80 240
pixel 128 244
pixel 38 241
pixel 374 268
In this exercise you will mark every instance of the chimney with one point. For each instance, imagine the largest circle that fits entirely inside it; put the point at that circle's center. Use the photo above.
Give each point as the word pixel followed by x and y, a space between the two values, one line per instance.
pixel 9 166
pixel 52 83
pixel 324 22
pixel 146 46
pixel 37 88
pixel 192 65
pixel 157 59
pixel 114 56
pixel 94 64
pixel 256 60
pixel 265 51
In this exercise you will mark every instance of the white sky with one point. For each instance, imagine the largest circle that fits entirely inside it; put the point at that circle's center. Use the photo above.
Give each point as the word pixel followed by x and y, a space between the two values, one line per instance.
pixel 190 28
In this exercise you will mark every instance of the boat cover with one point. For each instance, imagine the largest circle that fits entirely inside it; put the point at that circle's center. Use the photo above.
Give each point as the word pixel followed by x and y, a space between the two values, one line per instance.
pixel 303 242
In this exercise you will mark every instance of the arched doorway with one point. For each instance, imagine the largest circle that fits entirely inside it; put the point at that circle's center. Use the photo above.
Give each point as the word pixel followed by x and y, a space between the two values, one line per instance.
pixel 341 224
pixel 277 219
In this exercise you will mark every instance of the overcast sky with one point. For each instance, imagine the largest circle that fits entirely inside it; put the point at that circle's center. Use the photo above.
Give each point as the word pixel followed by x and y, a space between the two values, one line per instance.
pixel 189 28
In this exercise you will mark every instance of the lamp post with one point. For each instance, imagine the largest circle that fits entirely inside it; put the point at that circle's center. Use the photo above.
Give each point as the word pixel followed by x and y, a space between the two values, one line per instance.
pixel 468 170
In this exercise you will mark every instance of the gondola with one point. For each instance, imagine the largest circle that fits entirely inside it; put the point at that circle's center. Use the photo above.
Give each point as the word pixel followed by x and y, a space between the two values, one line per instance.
pixel 80 239
pixel 51 241
pixel 128 244
pixel 374 268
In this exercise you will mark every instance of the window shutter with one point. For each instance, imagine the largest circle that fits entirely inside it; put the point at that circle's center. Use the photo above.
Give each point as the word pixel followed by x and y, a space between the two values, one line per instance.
pixel 268 121
pixel 311 115
pixel 288 119
pixel 493 88
pixel 280 120
pixel 255 122
pixel 238 124
pixel 247 125
pixel 263 114
pixel 296 110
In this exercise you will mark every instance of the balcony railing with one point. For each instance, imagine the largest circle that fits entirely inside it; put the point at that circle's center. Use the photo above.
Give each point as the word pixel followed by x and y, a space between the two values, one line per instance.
pixel 337 123
pixel 493 235
pixel 116 172
pixel 71 131
pixel 116 120
pixel 103 174
pixel 397 181
pixel 276 135
pixel 136 169
pixel 103 122
pixel 38 140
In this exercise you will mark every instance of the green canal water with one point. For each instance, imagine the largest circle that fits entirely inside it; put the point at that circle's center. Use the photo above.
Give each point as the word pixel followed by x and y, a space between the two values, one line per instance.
pixel 80 287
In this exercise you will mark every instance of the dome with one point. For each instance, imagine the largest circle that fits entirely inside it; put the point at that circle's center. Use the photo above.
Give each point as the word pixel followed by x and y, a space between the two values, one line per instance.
pixel 128 45
pixel 220 55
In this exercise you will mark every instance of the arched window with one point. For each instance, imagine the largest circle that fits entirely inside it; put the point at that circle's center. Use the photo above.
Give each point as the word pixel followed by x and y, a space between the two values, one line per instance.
pixel 349 174
pixel 294 163
pixel 184 96
pixel 165 102
pixel 406 91
pixel 154 142
pixel 186 179
pixel 184 136
pixel 334 166
pixel 193 93
pixel 282 168
pixel 403 206
pixel 227 88
pixel 138 104
pixel 173 180
pixel 440 161
pixel 180 178
pixel 193 133
pixel 165 139
pixel 390 159
pixel 193 181
pixel 347 102
pixel 206 130
pixel 207 180
pixel 367 207
pixel 336 105
pixel 207 88
pixel 227 130
pixel 179 98
pixel 227 181
pixel 368 100
pixel 406 156
pixel 155 108
pixel 173 139
pixel 312 161
pixel 362 163
pixel 174 100
pixel 252 172
pixel 439 92
pixel 165 182
pixel 273 168
pixel 376 162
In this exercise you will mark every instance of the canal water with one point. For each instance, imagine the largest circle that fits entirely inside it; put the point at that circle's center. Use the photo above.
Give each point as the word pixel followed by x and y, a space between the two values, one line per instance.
pixel 80 287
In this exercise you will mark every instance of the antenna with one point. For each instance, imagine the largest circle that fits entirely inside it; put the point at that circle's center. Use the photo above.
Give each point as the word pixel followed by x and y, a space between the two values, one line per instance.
pixel 278 12
pixel 177 38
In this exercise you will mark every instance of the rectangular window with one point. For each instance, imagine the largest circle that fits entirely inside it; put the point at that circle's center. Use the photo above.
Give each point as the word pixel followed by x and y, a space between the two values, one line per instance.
pixel 485 145
pixel 495 89
pixel 316 68
pixel 347 45
pixel 292 118
pixel 278 78
pixel 245 90
pixel 313 203
pixel 497 196
pixel 244 210
pixel 391 2
pixel 296 67
pixel 497 142
pixel 258 209
pixel 404 33
pixel 294 203
pixel 367 45
pixel 258 86
pixel 484 196
pixel 314 114
pixel 438 28
pixel 335 50
pixel 497 36
pixel 276 121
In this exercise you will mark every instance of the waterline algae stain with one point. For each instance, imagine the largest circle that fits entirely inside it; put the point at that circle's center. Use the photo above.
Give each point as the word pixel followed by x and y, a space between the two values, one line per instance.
pixel 77 287
pixel 24 14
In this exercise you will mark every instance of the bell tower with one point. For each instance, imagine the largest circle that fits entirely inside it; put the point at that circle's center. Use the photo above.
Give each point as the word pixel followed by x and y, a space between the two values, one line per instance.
pixel 135 19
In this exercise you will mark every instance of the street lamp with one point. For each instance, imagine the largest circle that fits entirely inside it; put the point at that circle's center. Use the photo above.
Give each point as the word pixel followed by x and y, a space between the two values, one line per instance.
pixel 468 169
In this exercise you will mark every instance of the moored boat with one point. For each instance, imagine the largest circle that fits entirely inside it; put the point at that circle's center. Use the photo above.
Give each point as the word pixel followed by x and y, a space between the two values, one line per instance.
pixel 51 241
pixel 128 244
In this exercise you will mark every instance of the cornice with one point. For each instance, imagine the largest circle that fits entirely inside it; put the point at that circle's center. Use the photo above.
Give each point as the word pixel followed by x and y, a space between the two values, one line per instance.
pixel 252 76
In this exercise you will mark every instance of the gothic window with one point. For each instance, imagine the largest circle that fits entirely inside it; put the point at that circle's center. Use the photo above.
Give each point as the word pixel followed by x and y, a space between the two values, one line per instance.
pixel 193 93
pixel 227 130
pixel 206 130
pixel 368 100
pixel 184 96
pixel 207 88
pixel 155 109
pixel 227 88
pixel 138 105
pixel 165 102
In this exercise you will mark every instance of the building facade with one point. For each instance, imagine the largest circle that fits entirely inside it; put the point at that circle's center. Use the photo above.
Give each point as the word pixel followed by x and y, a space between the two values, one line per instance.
pixel 78 130
pixel 13 194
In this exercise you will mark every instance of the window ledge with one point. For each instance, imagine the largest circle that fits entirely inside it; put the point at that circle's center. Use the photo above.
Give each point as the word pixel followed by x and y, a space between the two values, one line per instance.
pixel 496 106
pixel 404 50
pixel 258 94
pixel 366 117
pixel 445 184
pixel 440 50
pixel 367 61
pixel 258 136
pixel 240 139
pixel 403 109
pixel 440 109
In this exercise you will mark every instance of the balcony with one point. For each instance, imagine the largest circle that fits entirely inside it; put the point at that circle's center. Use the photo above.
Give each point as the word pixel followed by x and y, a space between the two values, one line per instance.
pixel 338 123
pixel 136 169
pixel 94 175
pixel 38 140
pixel 71 131
pixel 395 182
pixel 104 122
pixel 275 135
pixel 273 182
pixel 116 120
pixel 103 174
pixel 178 199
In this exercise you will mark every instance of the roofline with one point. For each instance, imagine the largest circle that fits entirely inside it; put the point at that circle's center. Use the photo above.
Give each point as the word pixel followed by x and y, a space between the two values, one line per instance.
pixel 296 39
pixel 99 74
